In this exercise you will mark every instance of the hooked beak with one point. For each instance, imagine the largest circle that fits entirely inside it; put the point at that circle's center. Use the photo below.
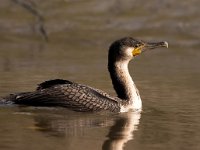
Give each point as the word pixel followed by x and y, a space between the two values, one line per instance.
pixel 155 45
pixel 148 46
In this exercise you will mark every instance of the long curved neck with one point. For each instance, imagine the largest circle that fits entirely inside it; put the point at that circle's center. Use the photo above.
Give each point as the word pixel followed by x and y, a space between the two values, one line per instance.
pixel 123 83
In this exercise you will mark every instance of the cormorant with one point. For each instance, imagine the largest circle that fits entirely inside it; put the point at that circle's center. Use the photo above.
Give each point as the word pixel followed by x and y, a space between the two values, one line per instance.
pixel 80 97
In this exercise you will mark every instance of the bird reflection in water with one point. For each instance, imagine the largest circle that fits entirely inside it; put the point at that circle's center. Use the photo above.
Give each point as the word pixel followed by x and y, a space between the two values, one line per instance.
pixel 122 131
pixel 73 125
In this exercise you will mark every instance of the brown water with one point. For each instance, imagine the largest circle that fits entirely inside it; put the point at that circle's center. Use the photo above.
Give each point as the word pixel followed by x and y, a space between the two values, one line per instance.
pixel 79 33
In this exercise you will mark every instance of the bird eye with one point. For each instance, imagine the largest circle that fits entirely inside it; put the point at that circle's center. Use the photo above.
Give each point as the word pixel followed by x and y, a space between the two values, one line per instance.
pixel 137 45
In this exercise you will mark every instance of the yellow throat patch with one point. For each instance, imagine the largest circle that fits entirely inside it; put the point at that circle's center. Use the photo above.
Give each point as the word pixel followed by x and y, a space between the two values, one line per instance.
pixel 137 51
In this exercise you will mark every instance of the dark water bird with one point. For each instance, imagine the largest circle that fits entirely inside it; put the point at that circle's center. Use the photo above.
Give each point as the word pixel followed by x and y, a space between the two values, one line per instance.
pixel 80 97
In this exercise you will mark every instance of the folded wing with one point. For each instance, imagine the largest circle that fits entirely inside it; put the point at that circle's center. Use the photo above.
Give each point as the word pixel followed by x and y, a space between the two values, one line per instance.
pixel 68 94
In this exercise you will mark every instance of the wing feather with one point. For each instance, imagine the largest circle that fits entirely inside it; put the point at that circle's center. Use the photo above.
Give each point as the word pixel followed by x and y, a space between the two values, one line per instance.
pixel 74 96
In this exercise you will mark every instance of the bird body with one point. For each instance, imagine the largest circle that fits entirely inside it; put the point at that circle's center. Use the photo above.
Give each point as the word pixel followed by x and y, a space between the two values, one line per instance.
pixel 78 97
pixel 68 94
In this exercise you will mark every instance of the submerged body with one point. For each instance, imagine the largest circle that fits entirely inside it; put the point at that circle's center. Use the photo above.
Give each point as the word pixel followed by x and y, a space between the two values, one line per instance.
pixel 79 97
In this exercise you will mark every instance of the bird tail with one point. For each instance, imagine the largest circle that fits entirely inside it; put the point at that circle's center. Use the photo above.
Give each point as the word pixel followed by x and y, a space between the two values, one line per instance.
pixel 9 99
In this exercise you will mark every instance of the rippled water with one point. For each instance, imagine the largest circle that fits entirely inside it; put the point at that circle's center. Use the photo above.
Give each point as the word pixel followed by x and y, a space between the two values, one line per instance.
pixel 69 39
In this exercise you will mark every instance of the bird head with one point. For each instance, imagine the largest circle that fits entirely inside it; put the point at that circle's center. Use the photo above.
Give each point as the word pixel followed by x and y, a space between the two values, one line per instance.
pixel 127 48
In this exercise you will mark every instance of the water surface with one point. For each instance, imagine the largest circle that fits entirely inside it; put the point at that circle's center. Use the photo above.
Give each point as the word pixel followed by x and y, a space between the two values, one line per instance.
pixel 69 39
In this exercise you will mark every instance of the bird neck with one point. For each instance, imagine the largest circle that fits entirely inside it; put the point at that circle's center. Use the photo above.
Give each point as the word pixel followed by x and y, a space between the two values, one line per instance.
pixel 123 83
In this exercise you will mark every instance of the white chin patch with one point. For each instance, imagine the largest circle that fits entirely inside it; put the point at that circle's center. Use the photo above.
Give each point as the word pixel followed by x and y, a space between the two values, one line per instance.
pixel 129 51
